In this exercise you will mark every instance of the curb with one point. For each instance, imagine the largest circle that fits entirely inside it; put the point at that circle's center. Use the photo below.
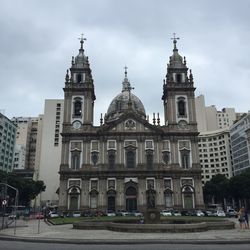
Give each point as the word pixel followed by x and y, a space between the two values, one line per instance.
pixel 123 242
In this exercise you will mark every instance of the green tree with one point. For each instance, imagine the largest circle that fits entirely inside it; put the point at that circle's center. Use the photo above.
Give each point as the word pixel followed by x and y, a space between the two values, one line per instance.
pixel 28 188
pixel 216 189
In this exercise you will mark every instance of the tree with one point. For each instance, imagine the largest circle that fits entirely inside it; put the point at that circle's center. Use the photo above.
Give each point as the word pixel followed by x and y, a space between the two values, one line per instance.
pixel 28 188
pixel 216 189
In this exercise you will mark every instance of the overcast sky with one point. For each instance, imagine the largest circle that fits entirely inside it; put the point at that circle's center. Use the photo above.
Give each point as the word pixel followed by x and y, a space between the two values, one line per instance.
pixel 38 38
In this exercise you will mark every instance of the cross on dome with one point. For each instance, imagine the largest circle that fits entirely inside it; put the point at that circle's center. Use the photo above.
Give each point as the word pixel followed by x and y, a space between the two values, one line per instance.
pixel 82 39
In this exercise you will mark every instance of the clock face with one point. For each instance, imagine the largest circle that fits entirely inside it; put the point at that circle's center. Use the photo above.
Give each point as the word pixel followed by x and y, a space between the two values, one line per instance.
pixel 77 124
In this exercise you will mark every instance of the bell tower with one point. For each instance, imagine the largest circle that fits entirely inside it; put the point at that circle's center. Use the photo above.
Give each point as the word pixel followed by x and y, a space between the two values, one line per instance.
pixel 178 92
pixel 79 94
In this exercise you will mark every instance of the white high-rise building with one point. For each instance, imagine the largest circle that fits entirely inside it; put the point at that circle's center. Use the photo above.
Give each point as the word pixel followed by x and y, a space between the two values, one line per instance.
pixel 50 153
pixel 214 139
pixel 214 152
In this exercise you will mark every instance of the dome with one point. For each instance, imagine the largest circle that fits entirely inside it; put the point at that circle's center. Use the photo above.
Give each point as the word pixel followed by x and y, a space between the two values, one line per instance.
pixel 121 102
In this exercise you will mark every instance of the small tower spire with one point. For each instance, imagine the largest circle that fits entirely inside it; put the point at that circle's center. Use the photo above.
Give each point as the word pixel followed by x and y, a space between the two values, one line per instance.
pixel 126 83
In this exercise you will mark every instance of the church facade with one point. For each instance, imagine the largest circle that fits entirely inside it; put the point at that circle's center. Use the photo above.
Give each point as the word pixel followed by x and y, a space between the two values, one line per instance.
pixel 128 163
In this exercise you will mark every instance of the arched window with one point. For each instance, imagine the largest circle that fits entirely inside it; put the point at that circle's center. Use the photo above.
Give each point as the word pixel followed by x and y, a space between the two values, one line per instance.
pixel 79 78
pixel 181 108
pixel 130 158
pixel 178 78
pixel 75 159
pixel 185 158
pixel 78 108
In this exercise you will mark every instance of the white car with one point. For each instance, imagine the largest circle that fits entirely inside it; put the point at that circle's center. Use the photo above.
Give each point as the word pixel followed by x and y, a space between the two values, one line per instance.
pixel 53 215
pixel 111 213
pixel 199 213
pixel 220 213
pixel 166 213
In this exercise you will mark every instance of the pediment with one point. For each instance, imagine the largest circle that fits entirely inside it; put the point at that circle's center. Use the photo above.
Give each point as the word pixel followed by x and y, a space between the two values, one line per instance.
pixel 131 123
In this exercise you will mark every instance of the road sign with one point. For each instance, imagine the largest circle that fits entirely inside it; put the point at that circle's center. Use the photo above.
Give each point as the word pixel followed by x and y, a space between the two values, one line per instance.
pixel 4 202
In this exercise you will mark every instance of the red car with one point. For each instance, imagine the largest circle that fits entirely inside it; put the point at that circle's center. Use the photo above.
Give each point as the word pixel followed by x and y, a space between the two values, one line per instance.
pixel 39 216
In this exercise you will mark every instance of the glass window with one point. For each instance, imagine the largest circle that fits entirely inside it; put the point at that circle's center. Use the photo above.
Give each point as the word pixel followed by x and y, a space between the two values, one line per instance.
pixel 75 159
pixel 130 158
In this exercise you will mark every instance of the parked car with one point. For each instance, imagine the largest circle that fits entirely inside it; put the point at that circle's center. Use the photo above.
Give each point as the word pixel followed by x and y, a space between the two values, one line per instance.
pixel 208 213
pixel 166 213
pixel 39 216
pixel 220 213
pixel 231 213
pixel 186 213
pixel 136 213
pixel 122 213
pixel 76 214
pixel 176 213
pixel 111 213
pixel 199 213
pixel 53 215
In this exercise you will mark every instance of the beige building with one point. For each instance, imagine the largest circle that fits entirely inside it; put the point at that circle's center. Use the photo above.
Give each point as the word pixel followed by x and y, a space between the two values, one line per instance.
pixel 127 162
pixel 209 118
pixel 50 153
pixel 26 142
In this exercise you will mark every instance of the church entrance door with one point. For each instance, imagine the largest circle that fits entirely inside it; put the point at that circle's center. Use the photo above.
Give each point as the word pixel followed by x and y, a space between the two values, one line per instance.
pixel 131 199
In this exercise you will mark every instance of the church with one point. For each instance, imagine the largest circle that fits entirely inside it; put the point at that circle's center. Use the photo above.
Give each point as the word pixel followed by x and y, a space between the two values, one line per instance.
pixel 128 163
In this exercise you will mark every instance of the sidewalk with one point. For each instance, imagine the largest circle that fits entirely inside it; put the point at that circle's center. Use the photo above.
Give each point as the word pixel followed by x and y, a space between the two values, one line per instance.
pixel 30 231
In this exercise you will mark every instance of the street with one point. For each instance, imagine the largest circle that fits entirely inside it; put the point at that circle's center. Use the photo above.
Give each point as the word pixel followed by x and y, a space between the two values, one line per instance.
pixel 14 245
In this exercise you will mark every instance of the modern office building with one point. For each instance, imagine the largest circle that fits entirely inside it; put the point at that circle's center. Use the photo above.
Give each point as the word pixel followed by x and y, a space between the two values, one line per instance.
pixel 215 155
pixel 240 141
pixel 7 143
pixel 128 162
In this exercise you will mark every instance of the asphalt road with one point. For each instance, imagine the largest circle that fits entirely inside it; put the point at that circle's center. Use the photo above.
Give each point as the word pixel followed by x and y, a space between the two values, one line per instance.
pixel 14 245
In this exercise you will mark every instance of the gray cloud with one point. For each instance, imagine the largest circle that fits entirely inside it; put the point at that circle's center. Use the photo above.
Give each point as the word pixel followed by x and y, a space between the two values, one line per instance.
pixel 38 39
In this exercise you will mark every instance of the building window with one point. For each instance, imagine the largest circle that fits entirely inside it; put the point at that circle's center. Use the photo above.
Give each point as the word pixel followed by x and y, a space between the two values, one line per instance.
pixel 77 108
pixel 167 183
pixel 168 195
pixel 75 159
pixel 94 157
pixel 181 104
pixel 130 158
pixel 111 159
pixel 94 152
pixel 178 78
pixel 150 183
pixel 149 144
pixel 94 184
pixel 79 78
pixel 111 184
pixel 185 158
pixel 111 144
pixel 185 154
pixel 149 159
pixel 75 154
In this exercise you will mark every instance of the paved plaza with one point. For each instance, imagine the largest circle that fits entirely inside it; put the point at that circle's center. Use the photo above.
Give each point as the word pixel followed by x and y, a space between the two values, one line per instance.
pixel 31 230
